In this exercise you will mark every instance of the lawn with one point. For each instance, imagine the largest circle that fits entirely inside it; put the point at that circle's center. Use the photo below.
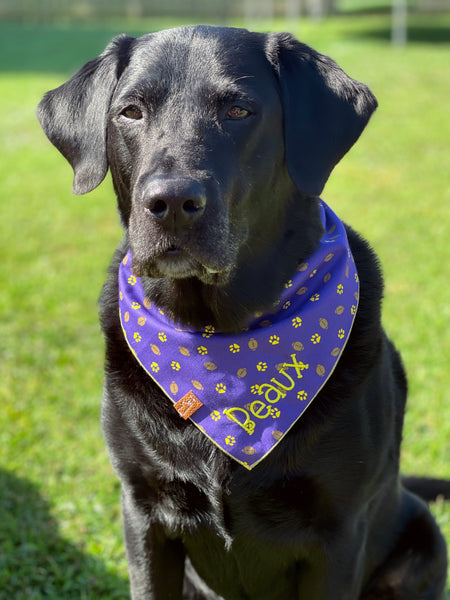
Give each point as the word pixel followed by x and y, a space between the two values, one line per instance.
pixel 60 528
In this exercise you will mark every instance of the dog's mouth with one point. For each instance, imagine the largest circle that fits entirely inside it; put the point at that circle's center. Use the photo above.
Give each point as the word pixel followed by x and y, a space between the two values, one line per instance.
pixel 175 262
pixel 173 250
pixel 178 262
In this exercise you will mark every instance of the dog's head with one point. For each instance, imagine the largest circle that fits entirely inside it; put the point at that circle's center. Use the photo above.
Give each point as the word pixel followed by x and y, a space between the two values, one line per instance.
pixel 218 140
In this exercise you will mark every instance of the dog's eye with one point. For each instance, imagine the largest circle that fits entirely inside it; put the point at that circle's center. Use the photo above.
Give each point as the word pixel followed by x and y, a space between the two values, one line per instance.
pixel 237 112
pixel 132 112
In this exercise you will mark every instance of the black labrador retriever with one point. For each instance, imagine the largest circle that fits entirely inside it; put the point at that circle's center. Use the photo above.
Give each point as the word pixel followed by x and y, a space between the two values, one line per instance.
pixel 219 142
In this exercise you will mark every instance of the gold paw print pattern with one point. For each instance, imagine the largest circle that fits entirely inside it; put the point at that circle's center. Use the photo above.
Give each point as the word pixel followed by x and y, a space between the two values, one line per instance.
pixel 209 331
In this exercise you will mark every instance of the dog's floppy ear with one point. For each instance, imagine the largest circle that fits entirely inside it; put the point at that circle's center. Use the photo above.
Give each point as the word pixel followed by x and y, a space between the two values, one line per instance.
pixel 325 111
pixel 74 115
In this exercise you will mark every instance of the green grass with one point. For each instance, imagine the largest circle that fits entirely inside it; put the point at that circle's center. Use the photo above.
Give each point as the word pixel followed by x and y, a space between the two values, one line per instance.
pixel 60 529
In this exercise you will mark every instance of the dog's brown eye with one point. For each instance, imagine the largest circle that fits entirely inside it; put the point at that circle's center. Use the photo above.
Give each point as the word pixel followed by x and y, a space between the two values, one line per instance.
pixel 237 112
pixel 132 112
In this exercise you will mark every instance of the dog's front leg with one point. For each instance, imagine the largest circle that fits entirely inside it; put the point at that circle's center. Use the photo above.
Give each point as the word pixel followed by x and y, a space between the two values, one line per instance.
pixel 155 562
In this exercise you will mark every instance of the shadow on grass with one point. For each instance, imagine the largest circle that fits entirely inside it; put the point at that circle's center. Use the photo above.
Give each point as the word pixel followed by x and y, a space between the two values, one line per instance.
pixel 35 561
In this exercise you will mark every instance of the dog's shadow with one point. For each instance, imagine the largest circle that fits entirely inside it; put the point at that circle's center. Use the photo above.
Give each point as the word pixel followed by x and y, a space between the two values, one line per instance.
pixel 36 561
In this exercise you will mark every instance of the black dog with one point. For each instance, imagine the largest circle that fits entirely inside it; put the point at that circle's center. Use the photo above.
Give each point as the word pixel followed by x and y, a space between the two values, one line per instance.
pixel 219 142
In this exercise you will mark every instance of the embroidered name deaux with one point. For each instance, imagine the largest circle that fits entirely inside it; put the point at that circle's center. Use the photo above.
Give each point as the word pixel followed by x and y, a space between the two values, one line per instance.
pixel 273 392
pixel 246 391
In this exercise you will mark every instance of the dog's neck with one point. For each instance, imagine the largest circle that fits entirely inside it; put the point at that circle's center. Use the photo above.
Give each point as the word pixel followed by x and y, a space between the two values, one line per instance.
pixel 194 303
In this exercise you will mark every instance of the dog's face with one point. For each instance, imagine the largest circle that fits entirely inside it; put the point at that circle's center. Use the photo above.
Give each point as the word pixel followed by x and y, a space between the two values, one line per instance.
pixel 219 141
pixel 195 135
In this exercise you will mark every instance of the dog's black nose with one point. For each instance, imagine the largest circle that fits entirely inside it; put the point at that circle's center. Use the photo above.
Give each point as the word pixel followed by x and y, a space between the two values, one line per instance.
pixel 176 203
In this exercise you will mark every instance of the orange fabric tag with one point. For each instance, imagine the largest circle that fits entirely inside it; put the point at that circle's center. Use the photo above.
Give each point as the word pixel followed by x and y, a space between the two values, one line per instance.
pixel 188 405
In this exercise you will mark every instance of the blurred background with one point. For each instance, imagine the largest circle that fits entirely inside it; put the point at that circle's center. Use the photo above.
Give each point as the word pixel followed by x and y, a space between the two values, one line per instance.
pixel 60 526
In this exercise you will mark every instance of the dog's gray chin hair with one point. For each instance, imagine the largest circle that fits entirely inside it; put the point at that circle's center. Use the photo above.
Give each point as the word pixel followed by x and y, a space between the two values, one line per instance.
pixel 211 271
pixel 214 277
pixel 207 275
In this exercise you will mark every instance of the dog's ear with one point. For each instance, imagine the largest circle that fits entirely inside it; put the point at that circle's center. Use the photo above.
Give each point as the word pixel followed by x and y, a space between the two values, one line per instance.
pixel 325 111
pixel 74 115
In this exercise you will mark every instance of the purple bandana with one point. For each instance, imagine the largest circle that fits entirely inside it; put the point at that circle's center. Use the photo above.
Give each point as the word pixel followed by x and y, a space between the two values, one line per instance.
pixel 245 391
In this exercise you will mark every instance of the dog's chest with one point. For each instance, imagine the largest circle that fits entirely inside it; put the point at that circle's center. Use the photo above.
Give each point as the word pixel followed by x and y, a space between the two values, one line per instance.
pixel 252 560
